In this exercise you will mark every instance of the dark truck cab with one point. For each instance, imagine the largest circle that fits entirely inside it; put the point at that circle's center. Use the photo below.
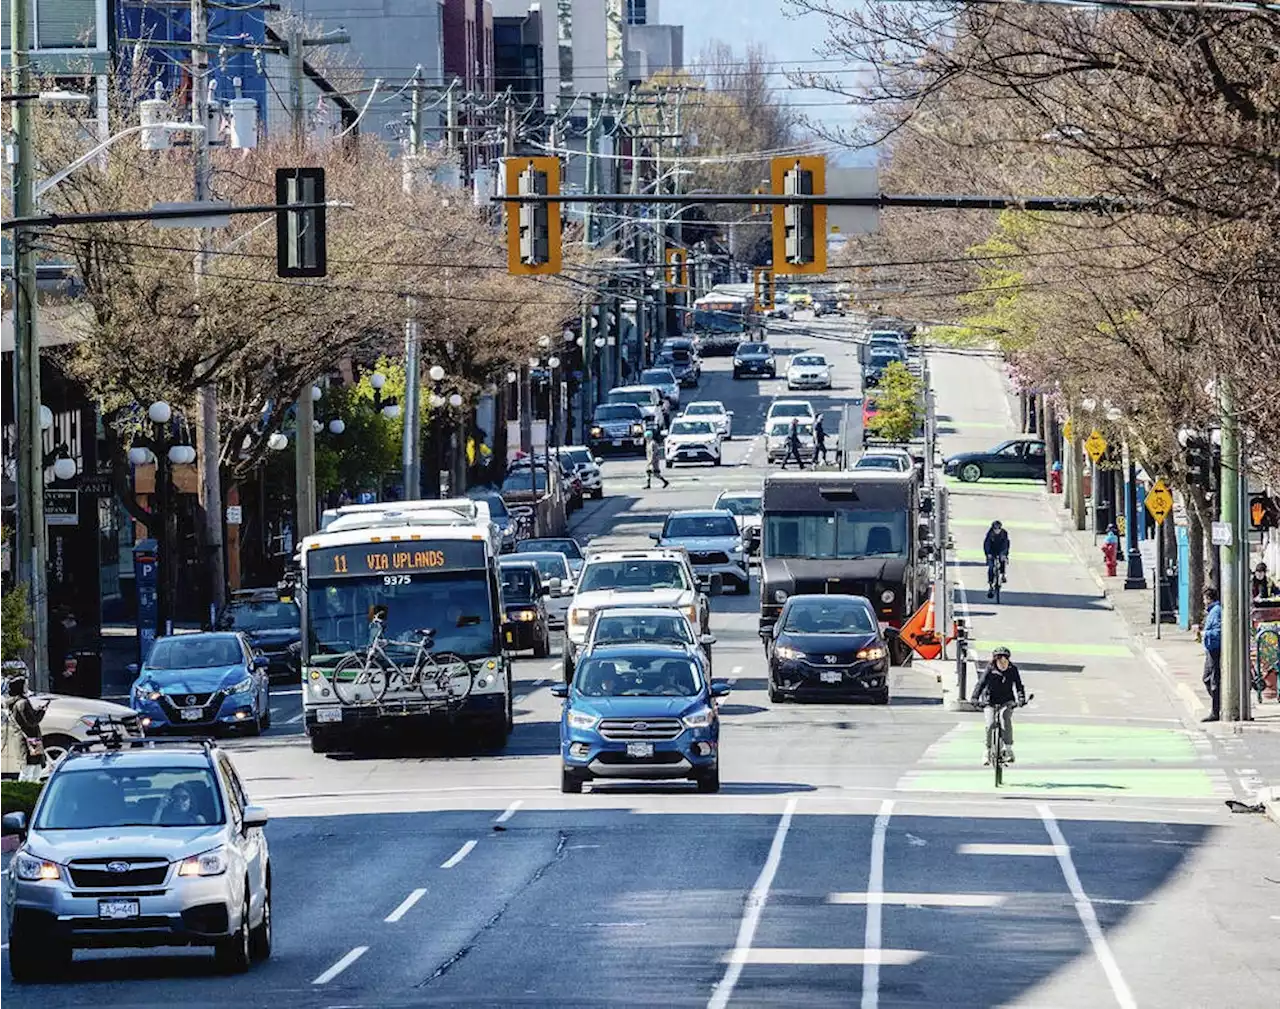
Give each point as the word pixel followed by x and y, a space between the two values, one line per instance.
pixel 851 533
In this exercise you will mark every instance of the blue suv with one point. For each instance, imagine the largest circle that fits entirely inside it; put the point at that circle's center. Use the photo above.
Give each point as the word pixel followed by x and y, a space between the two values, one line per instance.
pixel 645 712
pixel 203 682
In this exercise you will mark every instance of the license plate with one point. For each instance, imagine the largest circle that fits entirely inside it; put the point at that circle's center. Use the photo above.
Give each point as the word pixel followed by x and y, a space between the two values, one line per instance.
pixel 832 677
pixel 616 443
pixel 114 910
pixel 192 714
pixel 639 749
pixel 328 714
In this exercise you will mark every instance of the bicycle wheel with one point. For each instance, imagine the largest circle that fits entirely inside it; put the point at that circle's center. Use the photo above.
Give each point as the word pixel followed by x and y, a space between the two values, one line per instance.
pixel 446 677
pixel 996 750
pixel 994 583
pixel 360 678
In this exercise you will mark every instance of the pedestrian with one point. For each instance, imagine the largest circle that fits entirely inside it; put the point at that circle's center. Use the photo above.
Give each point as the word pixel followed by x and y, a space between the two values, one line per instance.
pixel 1211 637
pixel 1260 586
pixel 819 441
pixel 27 717
pixel 793 444
pixel 653 462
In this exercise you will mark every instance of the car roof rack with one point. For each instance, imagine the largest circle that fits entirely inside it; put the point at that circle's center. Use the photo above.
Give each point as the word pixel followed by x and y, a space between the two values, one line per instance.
pixel 110 734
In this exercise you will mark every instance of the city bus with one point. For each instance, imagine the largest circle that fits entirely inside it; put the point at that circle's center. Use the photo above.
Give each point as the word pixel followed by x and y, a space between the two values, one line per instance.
pixel 415 569
pixel 722 319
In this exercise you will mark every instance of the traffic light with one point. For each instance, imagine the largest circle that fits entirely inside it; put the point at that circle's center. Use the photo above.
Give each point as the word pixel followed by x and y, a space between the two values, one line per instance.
pixel 533 229
pixel 1264 512
pixel 765 288
pixel 677 270
pixel 301 244
pixel 1199 463
pixel 799 231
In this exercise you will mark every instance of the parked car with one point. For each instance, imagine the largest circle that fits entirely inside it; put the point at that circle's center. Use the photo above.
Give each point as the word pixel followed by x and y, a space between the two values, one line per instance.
pixel 617 425
pixel 67 720
pixel 680 355
pixel 808 371
pixel 207 681
pixel 555 544
pixel 499 515
pixel 781 310
pixel 878 360
pixel 745 508
pixel 1016 459
pixel 665 382
pixel 713 543
pixel 645 712
pixel 138 843
pixel 692 441
pixel 557 576
pixel 714 411
pixel 895 460
pixel 778 435
pixel 525 623
pixel 570 481
pixel 754 359
pixel 825 646
pixel 588 468
pixel 647 398
pixel 272 625
pixel 647 625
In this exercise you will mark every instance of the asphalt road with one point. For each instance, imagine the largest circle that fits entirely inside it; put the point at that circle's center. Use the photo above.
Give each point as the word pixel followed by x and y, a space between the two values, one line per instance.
pixel 857 855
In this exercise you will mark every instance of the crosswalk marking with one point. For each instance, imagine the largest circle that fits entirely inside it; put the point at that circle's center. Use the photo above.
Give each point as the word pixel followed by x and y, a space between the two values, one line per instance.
pixel 826 957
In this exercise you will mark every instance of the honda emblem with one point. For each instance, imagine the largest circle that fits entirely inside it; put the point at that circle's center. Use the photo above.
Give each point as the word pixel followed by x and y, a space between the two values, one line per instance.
pixel 831 659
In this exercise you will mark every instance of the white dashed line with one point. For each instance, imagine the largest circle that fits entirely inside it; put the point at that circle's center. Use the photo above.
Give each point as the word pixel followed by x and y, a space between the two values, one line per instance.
pixel 518 698
pixel 294 720
pixel 458 855
pixel 341 965
pixel 509 812
pixel 406 904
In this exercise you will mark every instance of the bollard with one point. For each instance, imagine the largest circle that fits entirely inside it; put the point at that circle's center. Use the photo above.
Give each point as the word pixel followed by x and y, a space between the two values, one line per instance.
pixel 962 659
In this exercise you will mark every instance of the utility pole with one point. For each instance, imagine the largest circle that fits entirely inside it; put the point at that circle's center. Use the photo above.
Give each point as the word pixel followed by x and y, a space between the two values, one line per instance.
pixel 208 438
pixel 660 229
pixel 32 538
pixel 411 444
pixel 1235 595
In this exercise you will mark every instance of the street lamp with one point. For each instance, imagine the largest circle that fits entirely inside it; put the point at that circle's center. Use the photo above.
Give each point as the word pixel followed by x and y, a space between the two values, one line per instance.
pixel 278 441
pixel 64 468
pixel 164 451
pixel 377 380
pixel 337 425
pixel 436 373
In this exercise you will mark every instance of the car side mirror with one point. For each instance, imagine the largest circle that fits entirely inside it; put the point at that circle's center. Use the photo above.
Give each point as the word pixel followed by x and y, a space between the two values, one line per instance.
pixel 656 537
pixel 14 823
pixel 559 690
pixel 555 585
pixel 132 668
pixel 255 816
pixel 728 413
pixel 261 662
pixel 720 689
pixel 707 639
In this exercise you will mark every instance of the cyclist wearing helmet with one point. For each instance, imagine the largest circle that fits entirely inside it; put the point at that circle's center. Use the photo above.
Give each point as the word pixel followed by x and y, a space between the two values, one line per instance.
pixel 999 686
pixel 996 547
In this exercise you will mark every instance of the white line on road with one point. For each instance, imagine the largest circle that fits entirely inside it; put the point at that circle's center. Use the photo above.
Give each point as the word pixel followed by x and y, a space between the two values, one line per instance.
pixel 1046 850
pixel 736 670
pixel 405 904
pixel 1084 908
pixel 294 720
pixel 509 812
pixel 836 957
pixel 875 895
pixel 755 907
pixel 920 899
pixel 286 693
pixel 518 698
pixel 458 855
pixel 341 965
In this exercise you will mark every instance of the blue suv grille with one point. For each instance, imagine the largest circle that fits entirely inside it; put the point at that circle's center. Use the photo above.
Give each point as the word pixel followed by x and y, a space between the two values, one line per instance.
pixel 656 729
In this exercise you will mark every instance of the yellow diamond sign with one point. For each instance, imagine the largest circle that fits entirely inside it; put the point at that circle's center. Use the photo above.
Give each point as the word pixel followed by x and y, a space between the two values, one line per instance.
pixel 1066 430
pixel 1095 445
pixel 1159 501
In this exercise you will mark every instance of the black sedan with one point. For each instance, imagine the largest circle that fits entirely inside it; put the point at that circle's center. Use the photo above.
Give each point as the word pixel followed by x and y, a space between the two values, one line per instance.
pixel 827 646
pixel 1016 459
pixel 525 623
pixel 273 626
pixel 754 359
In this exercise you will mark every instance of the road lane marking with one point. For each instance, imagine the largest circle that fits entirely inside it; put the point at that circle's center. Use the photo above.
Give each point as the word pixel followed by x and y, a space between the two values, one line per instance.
pixel 754 908
pixel 518 698
pixel 341 965
pixel 458 855
pixel 406 904
pixel 509 812
pixel 736 670
pixel 295 719
pixel 286 693
pixel 875 895
pixel 1045 850
pixel 835 957
pixel 920 899
pixel 1084 908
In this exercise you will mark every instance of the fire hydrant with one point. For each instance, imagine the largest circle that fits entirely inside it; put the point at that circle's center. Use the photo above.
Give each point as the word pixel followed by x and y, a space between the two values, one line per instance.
pixel 1055 478
pixel 1111 550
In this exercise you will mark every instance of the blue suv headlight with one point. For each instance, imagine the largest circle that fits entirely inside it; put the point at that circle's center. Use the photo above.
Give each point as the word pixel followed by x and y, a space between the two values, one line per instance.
pixel 582 720
pixel 699 719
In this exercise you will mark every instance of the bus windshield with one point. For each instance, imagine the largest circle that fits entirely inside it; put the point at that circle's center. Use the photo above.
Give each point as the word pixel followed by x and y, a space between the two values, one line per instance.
pixel 719 319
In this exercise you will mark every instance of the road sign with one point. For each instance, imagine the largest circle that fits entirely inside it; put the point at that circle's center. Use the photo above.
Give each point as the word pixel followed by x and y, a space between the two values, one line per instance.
pixel 1159 501
pixel 1095 445
pixel 61 508
pixel 235 515
pixel 1066 430
pixel 1220 534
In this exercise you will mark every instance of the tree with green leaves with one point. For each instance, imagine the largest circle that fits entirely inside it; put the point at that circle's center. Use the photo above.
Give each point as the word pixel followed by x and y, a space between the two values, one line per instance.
pixel 899 405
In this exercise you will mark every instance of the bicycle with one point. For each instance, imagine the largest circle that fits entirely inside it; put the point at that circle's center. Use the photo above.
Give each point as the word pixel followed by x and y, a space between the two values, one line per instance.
pixel 995 745
pixel 366 675
pixel 996 575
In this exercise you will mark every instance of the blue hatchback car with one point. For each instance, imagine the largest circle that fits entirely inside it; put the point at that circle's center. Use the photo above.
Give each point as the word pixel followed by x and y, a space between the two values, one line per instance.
pixel 646 711
pixel 203 682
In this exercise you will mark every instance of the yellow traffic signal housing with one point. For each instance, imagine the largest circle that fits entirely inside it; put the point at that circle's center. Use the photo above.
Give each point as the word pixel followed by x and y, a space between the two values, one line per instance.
pixel 799 231
pixel 533 229
pixel 765 288
pixel 677 270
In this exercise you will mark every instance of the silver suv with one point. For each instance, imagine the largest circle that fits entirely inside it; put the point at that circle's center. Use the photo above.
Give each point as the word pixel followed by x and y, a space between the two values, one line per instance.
pixel 138 843
pixel 713 542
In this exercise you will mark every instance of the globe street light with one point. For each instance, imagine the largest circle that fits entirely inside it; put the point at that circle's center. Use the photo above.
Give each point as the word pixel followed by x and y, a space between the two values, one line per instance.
pixel 46 418
pixel 337 426
pixel 455 400
pixel 316 393
pixel 511 378
pixel 391 411
pixel 436 373
pixel 160 412
pixel 64 468
pixel 278 442
pixel 377 380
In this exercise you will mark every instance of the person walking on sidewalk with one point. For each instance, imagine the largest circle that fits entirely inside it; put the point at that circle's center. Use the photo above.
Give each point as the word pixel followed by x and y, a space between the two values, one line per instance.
pixel 653 462
pixel 27 717
pixel 1211 636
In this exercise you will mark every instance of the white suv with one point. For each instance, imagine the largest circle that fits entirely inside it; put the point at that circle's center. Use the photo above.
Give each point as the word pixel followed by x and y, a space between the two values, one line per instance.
pixel 633 578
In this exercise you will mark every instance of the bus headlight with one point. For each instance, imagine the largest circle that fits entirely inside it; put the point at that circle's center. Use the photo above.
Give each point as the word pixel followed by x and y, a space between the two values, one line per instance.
pixel 779 596
pixel 887 596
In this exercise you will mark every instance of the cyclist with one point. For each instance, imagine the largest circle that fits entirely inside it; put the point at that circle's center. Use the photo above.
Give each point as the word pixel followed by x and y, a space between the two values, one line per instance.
pixel 999 686
pixel 996 547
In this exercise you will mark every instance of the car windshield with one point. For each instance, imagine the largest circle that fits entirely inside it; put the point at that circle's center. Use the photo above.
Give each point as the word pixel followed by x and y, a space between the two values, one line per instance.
pixel 782 428
pixel 618 411
pixel 692 427
pixel 636 396
pixel 647 629
pixel 497 507
pixel 521 481
pixel 518 581
pixel 836 535
pixel 684 527
pixel 550 566
pixel 260 615
pixel 754 348
pixel 810 361
pixel 705 410
pixel 791 410
pixel 578 456
pixel 828 615
pixel 195 651
pixel 637 575
pixel 885 354
pixel 740 505
pixel 126 796
pixel 880 462
pixel 567 547
pixel 638 676
pixel 658 376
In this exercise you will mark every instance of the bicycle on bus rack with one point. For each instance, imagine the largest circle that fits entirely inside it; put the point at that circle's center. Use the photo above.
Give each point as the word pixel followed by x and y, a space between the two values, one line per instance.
pixel 366 675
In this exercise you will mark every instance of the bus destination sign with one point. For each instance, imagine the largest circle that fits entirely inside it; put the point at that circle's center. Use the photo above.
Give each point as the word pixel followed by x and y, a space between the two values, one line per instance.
pixel 358 560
